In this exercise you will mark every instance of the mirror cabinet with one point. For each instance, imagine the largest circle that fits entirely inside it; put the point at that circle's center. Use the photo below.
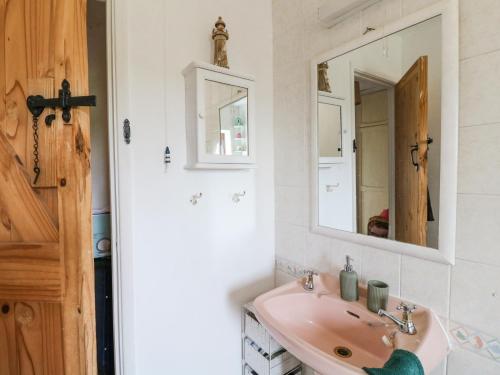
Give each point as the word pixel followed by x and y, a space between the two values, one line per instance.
pixel 220 113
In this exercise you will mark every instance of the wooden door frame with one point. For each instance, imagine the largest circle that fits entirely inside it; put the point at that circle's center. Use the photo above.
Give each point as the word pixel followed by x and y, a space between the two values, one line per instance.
pixel 389 86
pixel 120 183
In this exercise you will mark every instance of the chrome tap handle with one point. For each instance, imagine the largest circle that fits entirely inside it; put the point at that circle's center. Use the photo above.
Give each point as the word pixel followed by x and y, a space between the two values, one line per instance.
pixel 309 283
pixel 406 308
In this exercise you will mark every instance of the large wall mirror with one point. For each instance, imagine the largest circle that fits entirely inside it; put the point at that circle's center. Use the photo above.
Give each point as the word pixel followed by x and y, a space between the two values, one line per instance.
pixel 385 138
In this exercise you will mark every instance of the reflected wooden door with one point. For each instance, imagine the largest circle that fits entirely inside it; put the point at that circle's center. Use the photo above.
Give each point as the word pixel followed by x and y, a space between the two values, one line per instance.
pixel 47 319
pixel 411 133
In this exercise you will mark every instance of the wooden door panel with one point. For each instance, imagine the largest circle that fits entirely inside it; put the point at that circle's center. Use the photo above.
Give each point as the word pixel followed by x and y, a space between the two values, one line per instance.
pixel 30 338
pixel 5 226
pixel 30 272
pixel 25 210
pixel 411 130
pixel 46 264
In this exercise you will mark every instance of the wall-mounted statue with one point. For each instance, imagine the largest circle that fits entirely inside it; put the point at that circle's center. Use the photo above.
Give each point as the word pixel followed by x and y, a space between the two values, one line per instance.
pixel 220 37
pixel 323 81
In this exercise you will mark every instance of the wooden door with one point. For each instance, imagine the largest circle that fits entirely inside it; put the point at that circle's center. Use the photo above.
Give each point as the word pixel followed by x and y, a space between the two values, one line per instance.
pixel 47 324
pixel 411 138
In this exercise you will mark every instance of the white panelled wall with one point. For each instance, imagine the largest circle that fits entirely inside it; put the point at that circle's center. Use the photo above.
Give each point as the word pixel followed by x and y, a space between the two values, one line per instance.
pixel 468 292
pixel 192 267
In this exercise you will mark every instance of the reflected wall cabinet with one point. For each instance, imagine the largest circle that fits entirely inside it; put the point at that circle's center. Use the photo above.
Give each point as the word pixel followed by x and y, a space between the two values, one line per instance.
pixel 220 124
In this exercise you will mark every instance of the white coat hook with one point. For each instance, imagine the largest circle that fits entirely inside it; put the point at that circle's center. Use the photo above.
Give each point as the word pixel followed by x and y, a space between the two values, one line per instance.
pixel 237 196
pixel 195 198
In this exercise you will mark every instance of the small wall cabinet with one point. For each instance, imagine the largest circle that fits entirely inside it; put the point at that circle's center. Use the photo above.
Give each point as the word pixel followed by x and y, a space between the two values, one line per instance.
pixel 220 118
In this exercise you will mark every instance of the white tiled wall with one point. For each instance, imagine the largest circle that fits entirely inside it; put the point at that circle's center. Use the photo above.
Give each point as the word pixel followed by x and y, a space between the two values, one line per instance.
pixel 468 292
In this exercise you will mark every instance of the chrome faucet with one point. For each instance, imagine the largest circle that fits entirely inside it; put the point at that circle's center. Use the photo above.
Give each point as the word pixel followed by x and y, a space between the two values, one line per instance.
pixel 405 324
pixel 309 283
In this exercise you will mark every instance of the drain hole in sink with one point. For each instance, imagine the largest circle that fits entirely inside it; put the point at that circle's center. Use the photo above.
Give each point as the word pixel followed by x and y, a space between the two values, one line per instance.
pixel 342 351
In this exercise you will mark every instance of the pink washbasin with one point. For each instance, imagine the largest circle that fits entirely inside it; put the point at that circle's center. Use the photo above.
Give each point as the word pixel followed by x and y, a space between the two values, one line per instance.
pixel 316 325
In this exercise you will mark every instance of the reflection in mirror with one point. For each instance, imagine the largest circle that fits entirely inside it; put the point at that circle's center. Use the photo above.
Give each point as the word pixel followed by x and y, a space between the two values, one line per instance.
pixel 226 119
pixel 329 130
pixel 379 137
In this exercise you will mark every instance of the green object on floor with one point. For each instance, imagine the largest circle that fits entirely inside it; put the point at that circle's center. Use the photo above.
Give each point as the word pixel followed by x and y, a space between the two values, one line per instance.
pixel 401 362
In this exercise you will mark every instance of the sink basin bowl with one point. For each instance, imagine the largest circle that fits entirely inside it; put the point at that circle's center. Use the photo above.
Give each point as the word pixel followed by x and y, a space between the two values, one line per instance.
pixel 337 337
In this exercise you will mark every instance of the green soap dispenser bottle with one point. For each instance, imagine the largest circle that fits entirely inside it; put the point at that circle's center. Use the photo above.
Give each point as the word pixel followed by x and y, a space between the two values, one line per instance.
pixel 349 282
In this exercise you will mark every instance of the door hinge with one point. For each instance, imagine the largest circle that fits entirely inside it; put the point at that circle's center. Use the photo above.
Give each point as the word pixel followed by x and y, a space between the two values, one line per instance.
pixel 354 146
pixel 126 131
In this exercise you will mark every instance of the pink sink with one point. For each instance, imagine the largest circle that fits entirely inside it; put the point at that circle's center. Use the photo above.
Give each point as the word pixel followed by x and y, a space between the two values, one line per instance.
pixel 317 327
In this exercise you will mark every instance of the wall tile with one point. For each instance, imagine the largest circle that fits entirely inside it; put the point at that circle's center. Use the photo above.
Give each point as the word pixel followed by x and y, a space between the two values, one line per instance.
pixel 338 257
pixel 479 88
pixel 411 6
pixel 478 228
pixel 345 31
pixel 291 242
pixel 287 15
pixel 291 205
pixel 426 283
pixel 440 369
pixel 393 10
pixel 479 31
pixel 318 253
pixel 475 296
pixel 291 162
pixel 315 42
pixel 374 16
pixel 383 266
pixel 310 11
pixel 463 362
pixel 290 45
pixel 282 278
pixel 479 159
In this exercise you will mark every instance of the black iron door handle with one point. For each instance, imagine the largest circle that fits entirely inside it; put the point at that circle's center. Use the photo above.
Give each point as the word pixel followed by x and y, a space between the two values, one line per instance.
pixel 37 103
pixel 413 150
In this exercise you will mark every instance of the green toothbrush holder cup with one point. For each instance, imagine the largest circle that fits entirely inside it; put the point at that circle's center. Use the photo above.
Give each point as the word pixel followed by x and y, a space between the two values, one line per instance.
pixel 378 295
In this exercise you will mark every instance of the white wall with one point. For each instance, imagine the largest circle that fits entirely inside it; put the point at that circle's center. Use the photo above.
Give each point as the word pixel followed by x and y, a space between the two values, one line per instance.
pixel 192 266
pixel 467 292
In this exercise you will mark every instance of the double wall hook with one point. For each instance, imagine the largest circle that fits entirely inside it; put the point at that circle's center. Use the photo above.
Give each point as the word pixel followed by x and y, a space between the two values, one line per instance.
pixel 195 198
pixel 237 196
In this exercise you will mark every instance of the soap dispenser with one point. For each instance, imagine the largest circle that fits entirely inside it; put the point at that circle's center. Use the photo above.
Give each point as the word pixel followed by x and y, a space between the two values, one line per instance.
pixel 349 282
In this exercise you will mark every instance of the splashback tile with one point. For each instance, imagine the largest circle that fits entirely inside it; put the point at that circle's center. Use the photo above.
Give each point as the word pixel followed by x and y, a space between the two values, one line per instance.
pixel 475 296
pixel 291 242
pixel 383 266
pixel 478 228
pixel 464 362
pixel 427 283
pixel 291 205
pixel 479 31
pixel 480 85
pixel 318 253
pixel 479 159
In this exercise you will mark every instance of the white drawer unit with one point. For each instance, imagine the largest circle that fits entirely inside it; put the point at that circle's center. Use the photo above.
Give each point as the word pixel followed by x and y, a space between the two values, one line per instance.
pixel 248 371
pixel 262 355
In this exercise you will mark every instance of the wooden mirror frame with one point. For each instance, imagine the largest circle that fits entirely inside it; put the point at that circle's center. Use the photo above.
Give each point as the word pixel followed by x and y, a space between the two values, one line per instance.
pixel 445 253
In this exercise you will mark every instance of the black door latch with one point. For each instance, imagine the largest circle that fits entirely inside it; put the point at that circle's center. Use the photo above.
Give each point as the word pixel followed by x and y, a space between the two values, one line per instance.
pixel 37 103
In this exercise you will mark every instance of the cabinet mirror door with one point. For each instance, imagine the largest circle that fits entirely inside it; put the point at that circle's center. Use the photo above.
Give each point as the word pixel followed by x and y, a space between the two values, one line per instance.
pixel 226 119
